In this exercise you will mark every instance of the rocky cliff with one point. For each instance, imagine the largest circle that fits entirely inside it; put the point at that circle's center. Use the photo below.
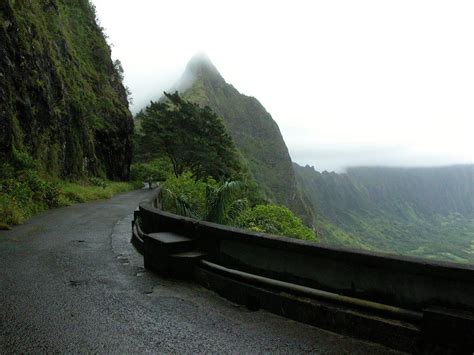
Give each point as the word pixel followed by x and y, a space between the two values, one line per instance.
pixel 61 97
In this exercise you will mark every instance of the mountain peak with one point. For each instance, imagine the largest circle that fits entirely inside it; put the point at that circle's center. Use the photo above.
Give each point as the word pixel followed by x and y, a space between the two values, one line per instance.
pixel 199 67
pixel 200 63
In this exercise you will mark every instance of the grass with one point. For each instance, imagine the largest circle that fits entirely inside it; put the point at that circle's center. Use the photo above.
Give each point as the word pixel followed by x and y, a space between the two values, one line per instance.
pixel 73 192
pixel 15 210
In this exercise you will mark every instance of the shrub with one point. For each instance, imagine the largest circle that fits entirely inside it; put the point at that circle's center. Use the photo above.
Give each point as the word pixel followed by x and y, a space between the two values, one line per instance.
pixel 24 191
pixel 25 194
pixel 10 212
pixel 184 193
pixel 17 190
pixel 97 181
pixel 22 161
pixel 273 219
pixel 43 191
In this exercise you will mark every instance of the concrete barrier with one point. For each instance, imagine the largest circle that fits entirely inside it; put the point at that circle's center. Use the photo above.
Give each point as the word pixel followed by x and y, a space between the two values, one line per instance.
pixel 441 294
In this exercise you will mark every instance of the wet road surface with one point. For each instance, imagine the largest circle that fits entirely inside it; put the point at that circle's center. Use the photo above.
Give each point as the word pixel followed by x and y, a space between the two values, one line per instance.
pixel 70 281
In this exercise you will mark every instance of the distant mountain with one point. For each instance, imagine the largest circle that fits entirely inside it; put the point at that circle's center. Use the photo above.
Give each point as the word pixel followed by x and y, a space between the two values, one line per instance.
pixel 61 97
pixel 255 133
pixel 425 212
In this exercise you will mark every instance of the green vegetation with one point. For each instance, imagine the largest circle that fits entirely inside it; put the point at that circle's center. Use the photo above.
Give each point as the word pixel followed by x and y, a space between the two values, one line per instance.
pixel 24 191
pixel 424 212
pixel 227 203
pixel 273 219
pixel 186 196
pixel 204 176
pixel 207 200
pixel 255 133
pixel 151 171
pixel 65 127
pixel 20 201
pixel 72 192
pixel 61 96
pixel 194 139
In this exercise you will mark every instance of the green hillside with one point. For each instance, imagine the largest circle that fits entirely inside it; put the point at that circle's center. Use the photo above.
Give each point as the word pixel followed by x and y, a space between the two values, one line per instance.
pixel 65 126
pixel 255 133
pixel 426 212
pixel 62 101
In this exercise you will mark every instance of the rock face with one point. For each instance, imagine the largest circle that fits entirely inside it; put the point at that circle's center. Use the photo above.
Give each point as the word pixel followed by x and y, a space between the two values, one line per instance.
pixel 61 97
pixel 255 133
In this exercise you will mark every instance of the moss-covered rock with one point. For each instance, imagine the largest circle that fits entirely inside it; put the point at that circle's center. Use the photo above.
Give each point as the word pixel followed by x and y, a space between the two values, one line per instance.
pixel 61 98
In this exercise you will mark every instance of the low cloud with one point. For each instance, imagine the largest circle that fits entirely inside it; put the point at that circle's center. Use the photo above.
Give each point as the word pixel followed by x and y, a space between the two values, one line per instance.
pixel 336 158
pixel 345 82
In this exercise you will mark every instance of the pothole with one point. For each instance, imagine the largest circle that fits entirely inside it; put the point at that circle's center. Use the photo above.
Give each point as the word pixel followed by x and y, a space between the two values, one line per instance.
pixel 75 283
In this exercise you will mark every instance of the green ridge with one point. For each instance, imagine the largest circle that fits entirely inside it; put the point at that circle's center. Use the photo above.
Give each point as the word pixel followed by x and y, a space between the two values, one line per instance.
pixel 423 212
pixel 255 133
pixel 61 97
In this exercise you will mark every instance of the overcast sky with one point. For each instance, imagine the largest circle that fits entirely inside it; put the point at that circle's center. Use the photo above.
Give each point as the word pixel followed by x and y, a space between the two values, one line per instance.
pixel 348 82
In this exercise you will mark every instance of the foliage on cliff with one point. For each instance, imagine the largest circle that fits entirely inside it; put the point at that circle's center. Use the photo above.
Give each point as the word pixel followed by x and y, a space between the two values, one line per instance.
pixel 255 133
pixel 62 101
pixel 426 212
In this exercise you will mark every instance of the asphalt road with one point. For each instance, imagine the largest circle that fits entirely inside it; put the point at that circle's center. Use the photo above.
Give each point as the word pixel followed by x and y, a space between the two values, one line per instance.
pixel 70 281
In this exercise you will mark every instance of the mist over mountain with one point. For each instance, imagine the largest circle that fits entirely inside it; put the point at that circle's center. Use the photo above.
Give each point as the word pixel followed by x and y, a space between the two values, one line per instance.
pixel 255 133
pixel 426 212
pixel 421 211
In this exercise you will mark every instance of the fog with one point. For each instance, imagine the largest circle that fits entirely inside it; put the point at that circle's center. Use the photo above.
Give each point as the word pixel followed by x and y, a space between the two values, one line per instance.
pixel 349 83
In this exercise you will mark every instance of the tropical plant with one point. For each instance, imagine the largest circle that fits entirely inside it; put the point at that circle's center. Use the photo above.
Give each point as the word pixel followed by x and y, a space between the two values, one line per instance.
pixel 206 200
pixel 185 196
pixel 223 202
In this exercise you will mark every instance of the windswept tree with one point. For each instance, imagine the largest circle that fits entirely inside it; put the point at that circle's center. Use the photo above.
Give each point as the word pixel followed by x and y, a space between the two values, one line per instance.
pixel 192 137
